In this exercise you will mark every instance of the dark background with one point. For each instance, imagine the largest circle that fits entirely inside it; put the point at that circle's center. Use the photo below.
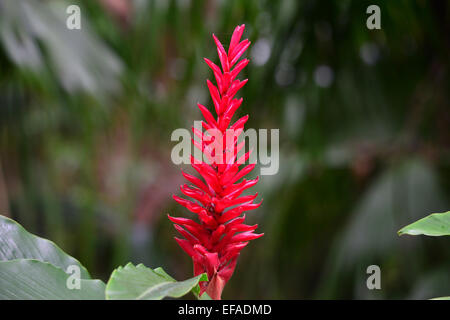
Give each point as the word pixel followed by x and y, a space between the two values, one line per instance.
pixel 86 117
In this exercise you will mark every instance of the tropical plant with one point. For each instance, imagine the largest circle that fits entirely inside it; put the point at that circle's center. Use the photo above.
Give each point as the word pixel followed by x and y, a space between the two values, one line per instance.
pixel 214 244
pixel 436 224
pixel 35 268
pixel 85 117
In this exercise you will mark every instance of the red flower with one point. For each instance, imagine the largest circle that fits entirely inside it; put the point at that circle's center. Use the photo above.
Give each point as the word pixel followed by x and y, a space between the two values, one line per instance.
pixel 214 243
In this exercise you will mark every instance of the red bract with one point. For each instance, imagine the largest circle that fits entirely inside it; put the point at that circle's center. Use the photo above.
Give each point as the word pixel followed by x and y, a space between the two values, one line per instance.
pixel 214 243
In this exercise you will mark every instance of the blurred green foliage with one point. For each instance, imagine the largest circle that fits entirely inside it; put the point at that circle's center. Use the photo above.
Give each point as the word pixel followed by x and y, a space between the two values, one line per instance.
pixel 86 117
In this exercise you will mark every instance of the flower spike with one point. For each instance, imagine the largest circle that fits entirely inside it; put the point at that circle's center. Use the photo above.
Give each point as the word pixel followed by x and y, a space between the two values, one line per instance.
pixel 216 240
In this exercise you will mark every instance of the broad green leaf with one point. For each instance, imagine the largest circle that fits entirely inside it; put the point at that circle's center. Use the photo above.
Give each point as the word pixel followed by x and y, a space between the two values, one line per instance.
pixel 17 243
pixel 163 274
pixel 436 224
pixel 441 298
pixel 195 290
pixel 29 279
pixel 170 289
pixel 142 283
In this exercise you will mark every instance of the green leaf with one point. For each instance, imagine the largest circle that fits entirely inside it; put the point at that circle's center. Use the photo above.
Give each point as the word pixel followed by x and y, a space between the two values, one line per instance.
pixel 204 297
pixel 195 290
pixel 436 224
pixel 29 279
pixel 17 243
pixel 163 274
pixel 441 298
pixel 142 283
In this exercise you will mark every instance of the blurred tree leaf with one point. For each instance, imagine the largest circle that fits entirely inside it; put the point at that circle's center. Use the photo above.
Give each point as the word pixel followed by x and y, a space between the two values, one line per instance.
pixel 436 224
pixel 17 243
pixel 29 279
pixel 79 59
pixel 404 190
pixel 401 192
pixel 142 283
